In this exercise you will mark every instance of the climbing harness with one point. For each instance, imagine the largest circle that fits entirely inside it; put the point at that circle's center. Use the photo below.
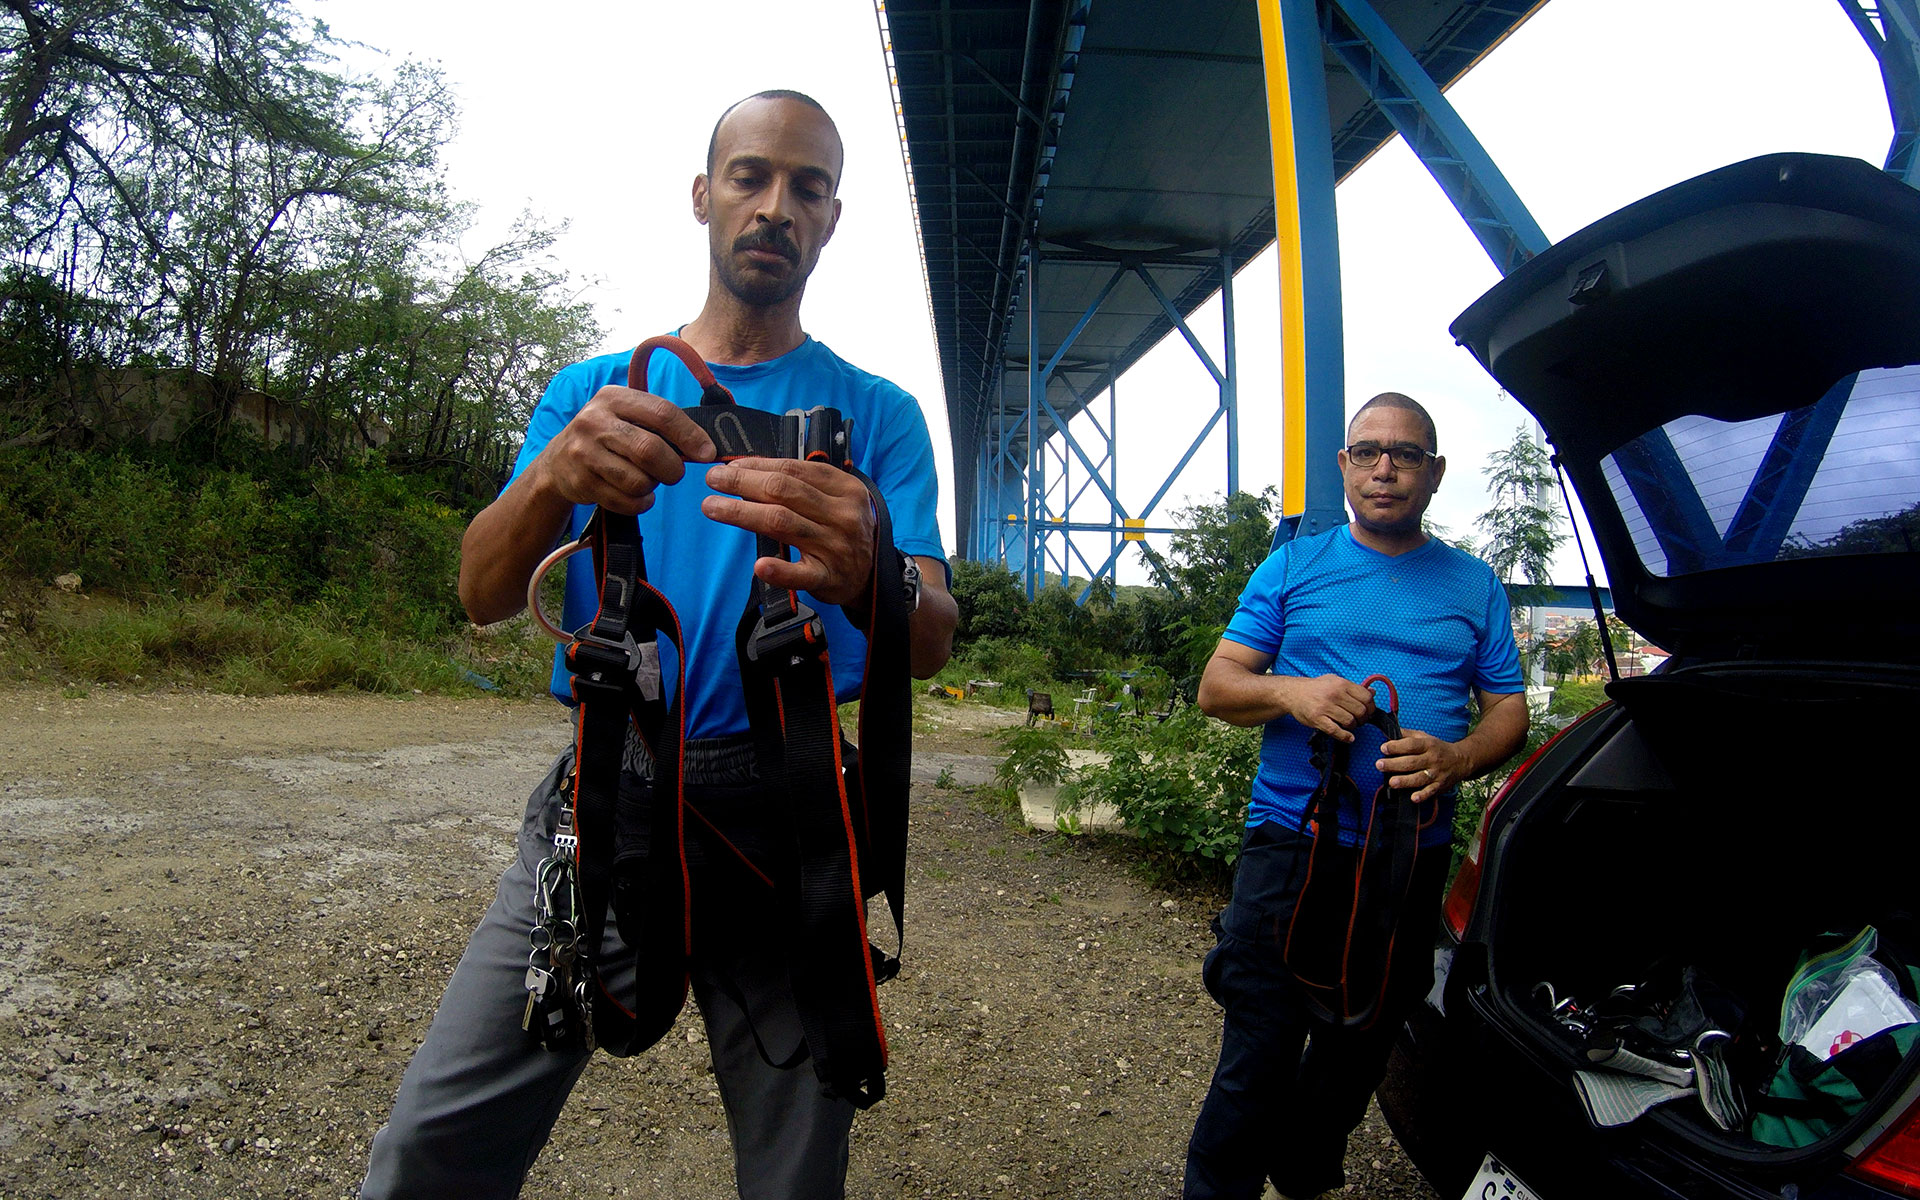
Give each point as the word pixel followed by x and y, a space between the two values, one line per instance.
pixel 1339 946
pixel 628 852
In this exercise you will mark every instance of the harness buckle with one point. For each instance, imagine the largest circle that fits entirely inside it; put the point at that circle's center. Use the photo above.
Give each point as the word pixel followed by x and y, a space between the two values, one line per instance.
pixel 595 657
pixel 566 842
pixel 783 641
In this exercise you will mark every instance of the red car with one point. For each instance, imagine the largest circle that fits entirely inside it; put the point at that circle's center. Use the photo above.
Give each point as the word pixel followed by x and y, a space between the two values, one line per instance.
pixel 1625 1001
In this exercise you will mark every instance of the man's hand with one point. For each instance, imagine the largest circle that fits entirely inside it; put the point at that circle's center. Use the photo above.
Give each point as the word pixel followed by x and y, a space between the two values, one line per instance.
pixel 1330 704
pixel 818 509
pixel 620 447
pixel 614 452
pixel 1422 761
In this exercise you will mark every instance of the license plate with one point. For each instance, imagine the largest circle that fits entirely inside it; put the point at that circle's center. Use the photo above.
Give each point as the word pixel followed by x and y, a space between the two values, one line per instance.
pixel 1495 1182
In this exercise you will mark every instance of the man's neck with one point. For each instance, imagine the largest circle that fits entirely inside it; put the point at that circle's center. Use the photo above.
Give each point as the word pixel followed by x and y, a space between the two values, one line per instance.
pixel 727 331
pixel 1392 545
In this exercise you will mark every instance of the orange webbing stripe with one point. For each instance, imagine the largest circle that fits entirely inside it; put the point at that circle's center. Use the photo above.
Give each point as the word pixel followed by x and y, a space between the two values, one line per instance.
pixel 853 865
pixel 728 843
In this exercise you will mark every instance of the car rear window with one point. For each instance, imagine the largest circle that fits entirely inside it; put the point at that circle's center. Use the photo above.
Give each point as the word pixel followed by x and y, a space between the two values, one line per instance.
pixel 1838 476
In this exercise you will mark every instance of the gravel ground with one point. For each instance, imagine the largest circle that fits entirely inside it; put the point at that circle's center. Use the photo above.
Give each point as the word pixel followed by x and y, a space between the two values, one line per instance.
pixel 225 923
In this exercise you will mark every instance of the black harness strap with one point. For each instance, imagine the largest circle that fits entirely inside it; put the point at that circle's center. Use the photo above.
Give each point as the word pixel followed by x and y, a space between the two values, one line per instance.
pixel 615 669
pixel 1340 938
pixel 886 730
pixel 793 713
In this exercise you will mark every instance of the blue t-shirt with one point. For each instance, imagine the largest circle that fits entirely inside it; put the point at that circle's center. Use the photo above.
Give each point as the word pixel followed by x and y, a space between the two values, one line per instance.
pixel 705 568
pixel 1433 620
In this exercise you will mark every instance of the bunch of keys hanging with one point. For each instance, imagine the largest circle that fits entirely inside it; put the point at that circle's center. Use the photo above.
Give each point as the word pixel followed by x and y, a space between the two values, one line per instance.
pixel 558 1010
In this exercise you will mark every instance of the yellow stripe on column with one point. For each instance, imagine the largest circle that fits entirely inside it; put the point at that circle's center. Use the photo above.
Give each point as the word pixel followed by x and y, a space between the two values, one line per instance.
pixel 1286 221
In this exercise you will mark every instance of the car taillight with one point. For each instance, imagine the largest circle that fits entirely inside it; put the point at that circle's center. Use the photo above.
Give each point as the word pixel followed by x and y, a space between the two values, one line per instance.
pixel 1894 1161
pixel 1466 882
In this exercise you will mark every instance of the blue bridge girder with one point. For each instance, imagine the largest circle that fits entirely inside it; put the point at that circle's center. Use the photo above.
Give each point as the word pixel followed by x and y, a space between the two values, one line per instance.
pixel 1895 42
pixel 1084 179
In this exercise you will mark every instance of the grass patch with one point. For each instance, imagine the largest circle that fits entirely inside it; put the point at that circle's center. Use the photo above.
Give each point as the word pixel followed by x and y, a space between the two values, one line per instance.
pixel 80 642
pixel 1575 696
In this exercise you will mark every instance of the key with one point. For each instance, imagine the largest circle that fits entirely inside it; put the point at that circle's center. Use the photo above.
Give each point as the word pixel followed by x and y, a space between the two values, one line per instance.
pixel 538 984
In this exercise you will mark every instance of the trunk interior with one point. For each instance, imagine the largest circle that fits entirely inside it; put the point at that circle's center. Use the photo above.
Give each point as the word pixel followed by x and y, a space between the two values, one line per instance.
pixel 1731 817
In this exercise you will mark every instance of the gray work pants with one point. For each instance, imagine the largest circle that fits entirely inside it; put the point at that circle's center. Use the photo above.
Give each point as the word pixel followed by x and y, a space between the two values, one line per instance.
pixel 481 1096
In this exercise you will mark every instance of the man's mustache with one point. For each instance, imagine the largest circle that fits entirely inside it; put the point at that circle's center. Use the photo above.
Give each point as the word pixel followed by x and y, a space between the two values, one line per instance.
pixel 770 239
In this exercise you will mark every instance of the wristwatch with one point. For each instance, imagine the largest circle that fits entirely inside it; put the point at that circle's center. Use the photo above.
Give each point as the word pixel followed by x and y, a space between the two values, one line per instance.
pixel 910 577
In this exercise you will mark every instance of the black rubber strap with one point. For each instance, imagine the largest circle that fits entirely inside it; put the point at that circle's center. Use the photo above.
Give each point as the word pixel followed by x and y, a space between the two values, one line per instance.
pixel 886 729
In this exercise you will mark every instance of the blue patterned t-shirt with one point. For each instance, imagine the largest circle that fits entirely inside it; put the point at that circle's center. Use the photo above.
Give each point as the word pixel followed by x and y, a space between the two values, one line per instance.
pixel 705 568
pixel 1434 620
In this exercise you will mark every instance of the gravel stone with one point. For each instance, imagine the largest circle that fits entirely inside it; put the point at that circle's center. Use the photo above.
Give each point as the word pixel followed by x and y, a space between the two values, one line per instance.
pixel 225 923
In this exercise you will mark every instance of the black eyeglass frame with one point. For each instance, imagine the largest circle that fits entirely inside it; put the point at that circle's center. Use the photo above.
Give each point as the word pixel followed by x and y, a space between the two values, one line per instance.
pixel 1366 454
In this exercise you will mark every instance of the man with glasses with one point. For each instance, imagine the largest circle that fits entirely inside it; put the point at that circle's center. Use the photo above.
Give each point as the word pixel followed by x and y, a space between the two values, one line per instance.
pixel 1376 597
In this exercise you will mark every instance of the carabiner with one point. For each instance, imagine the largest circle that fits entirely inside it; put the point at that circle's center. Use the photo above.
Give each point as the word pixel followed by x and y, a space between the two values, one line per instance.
pixel 533 589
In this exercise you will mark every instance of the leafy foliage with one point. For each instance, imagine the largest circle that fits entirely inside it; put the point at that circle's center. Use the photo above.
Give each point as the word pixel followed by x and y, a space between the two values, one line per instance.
pixel 196 193
pixel 1182 784
pixel 992 604
pixel 1036 754
pixel 1171 630
pixel 1521 529
pixel 371 547
pixel 1895 533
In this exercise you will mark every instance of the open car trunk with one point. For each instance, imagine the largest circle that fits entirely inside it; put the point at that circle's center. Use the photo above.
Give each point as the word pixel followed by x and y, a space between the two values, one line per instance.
pixel 1726 819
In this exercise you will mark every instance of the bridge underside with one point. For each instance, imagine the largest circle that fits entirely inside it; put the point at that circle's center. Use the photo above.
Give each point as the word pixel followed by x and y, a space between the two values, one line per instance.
pixel 1088 173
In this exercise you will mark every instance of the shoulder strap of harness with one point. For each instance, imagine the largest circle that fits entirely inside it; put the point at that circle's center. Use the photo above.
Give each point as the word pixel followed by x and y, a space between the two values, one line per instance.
pixel 614 665
pixel 840 831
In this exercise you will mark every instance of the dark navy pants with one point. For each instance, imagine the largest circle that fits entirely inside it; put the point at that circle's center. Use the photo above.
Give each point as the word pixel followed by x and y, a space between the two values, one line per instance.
pixel 1290 1088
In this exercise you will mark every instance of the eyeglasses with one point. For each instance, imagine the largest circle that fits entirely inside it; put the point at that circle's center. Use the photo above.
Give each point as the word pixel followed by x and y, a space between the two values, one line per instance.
pixel 1405 458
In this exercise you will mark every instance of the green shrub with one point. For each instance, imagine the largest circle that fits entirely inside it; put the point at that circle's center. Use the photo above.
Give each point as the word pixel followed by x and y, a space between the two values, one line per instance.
pixel 1018 667
pixel 1182 784
pixel 1476 793
pixel 364 545
pixel 1036 754
pixel 1572 697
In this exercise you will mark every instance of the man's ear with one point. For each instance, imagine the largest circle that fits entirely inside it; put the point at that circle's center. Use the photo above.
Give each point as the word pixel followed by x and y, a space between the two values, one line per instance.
pixel 833 222
pixel 1439 468
pixel 700 185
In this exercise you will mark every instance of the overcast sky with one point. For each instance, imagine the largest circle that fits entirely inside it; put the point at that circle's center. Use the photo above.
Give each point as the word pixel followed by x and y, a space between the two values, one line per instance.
pixel 597 114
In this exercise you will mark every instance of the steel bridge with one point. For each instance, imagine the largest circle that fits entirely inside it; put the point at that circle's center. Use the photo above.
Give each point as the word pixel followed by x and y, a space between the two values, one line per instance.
pixel 1087 173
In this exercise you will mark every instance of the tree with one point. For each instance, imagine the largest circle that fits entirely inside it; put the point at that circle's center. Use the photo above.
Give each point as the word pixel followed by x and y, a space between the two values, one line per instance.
pixel 1895 533
pixel 196 190
pixel 1210 560
pixel 1521 527
pixel 990 601
pixel 1586 647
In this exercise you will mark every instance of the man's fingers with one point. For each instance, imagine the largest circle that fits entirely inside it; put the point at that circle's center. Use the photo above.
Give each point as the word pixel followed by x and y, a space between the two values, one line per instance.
pixel 806 575
pixel 776 521
pixel 685 438
pixel 1410 741
pixel 812 489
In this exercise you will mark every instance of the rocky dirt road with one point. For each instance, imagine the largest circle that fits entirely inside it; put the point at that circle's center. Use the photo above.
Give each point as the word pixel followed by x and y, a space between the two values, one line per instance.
pixel 225 923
